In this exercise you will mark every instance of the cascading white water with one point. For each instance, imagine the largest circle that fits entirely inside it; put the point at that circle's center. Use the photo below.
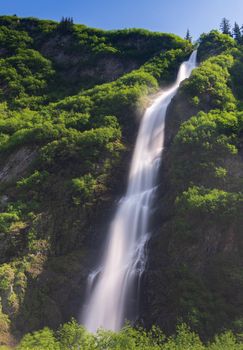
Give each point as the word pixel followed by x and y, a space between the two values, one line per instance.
pixel 117 279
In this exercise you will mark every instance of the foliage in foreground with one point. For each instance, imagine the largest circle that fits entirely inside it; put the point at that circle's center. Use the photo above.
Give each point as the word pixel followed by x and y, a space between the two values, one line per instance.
pixel 72 336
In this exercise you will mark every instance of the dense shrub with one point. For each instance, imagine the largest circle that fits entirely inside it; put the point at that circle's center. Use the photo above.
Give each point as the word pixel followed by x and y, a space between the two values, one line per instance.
pixel 210 139
pixel 214 43
pixel 211 131
pixel 210 84
pixel 26 73
pixel 73 336
pixel 12 40
pixel 212 202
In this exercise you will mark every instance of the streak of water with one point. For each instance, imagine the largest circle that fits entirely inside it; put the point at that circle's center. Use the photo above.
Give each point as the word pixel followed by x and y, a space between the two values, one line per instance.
pixel 114 285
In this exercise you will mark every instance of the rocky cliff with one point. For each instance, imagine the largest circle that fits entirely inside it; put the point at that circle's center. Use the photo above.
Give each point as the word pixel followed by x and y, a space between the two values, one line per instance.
pixel 71 99
pixel 195 254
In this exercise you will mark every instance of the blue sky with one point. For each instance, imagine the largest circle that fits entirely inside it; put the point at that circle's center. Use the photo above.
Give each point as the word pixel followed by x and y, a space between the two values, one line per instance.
pixel 160 15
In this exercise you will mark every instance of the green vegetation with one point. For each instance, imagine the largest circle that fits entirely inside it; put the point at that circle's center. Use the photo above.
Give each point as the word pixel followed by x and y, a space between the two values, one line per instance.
pixel 225 26
pixel 201 238
pixel 70 98
pixel 23 75
pixel 211 138
pixel 209 84
pixel 73 336
pixel 212 202
pixel 214 43
pixel 81 57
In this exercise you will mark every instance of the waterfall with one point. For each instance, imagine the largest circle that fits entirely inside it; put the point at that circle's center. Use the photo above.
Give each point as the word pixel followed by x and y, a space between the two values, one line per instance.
pixel 113 288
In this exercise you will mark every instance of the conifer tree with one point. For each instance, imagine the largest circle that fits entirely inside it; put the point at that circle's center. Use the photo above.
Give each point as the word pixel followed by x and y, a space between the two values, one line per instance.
pixel 237 33
pixel 225 26
pixel 66 24
pixel 241 32
pixel 188 36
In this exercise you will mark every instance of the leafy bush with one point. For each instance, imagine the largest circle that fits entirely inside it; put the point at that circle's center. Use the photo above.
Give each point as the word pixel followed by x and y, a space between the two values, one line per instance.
pixel 39 341
pixel 237 73
pixel 7 275
pixel 211 131
pixel 4 329
pixel 87 146
pixel 214 43
pixel 214 202
pixel 28 72
pixel 6 220
pixel 73 336
pixel 84 186
pixel 210 84
pixel 12 40
pixel 34 180
pixel 210 139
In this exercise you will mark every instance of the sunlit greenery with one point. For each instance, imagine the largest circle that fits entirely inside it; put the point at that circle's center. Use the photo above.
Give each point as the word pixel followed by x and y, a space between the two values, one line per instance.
pixel 71 98
pixel 214 43
pixel 205 195
pixel 73 336
pixel 214 202
pixel 210 84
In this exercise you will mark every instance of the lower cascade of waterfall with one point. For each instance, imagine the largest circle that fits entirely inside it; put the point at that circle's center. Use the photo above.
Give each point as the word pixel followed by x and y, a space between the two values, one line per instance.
pixel 113 288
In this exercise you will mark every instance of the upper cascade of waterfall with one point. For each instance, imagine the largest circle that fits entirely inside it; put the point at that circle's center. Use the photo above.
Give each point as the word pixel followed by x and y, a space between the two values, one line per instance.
pixel 113 289
pixel 186 68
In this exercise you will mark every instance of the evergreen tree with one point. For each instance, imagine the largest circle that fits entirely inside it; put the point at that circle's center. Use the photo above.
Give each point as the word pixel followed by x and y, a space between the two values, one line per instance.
pixel 66 24
pixel 225 26
pixel 188 36
pixel 241 32
pixel 237 33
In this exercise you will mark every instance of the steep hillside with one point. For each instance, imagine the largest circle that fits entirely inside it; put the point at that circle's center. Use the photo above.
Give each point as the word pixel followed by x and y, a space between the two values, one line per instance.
pixel 76 57
pixel 195 260
pixel 70 102
pixel 64 158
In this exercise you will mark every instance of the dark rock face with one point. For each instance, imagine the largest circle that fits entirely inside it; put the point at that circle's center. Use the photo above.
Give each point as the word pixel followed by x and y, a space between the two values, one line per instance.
pixel 57 283
pixel 75 67
pixel 179 111
pixel 156 306
pixel 17 164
